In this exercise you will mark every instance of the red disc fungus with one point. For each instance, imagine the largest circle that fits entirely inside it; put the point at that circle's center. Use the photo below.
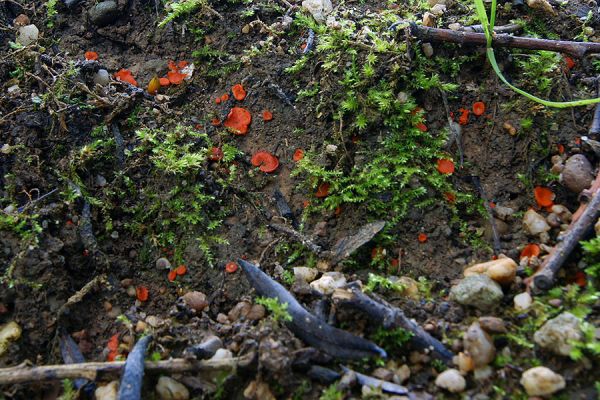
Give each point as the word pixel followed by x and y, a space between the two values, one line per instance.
pixel 569 62
pixel 238 120
pixel 265 161
pixel 298 155
pixel 267 115
pixel 421 126
pixel 450 197
pixel 176 77
pixel 225 97
pixel 91 56
pixel 164 82
pixel 530 250
pixel 218 100
pixel 215 154
pixel 238 92
pixel 544 197
pixel 305 203
pixel 422 238
pixel 322 190
pixel 181 270
pixel 154 85
pixel 478 108
pixel 172 275
pixel 445 166
pixel 231 267
pixel 141 292
pixel 464 116
pixel 124 75
pixel 215 122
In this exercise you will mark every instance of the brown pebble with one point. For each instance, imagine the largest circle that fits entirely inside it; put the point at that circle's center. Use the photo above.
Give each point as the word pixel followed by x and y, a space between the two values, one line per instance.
pixel 383 374
pixel 257 312
pixel 234 347
pixel 577 173
pixel 222 318
pixel 140 326
pixel 131 291
pixel 555 302
pixel 241 309
pixel 195 300
pixel 107 306
pixel 492 324
pixel 126 282
pixel 429 327
pixel 21 20
pixel 162 290
pixel 509 128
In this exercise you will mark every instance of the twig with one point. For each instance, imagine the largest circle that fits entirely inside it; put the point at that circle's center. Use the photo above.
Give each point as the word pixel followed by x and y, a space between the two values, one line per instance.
pixel 391 317
pixel 510 28
pixel 386 387
pixel 102 370
pixel 576 49
pixel 333 341
pixel 583 219
pixel 305 240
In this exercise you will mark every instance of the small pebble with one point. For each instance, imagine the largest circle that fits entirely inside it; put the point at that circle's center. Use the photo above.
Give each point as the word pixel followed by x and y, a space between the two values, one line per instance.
pixel 169 389
pixel 451 380
pixel 427 49
pixel 27 35
pixel 222 354
pixel 558 333
pixel 522 301
pixel 534 223
pixel 492 324
pixel 140 326
pixel 305 274
pixel 101 77
pixel 479 345
pixel 479 291
pixel 542 381
pixel 108 392
pixel 464 362
pixel 107 306
pixel 327 283
pixel 428 19
pixel 257 312
pixel 383 373
pixel 9 332
pixel 163 263
pixel 131 291
pixel 438 10
pixel 503 270
pixel 577 173
pixel 196 300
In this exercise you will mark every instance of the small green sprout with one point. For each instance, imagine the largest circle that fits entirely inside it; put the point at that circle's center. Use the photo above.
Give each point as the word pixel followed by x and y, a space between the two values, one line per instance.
pixel 278 310
pixel 383 283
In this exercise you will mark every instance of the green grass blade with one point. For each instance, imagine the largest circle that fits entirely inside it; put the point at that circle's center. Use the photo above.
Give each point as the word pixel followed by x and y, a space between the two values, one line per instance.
pixel 493 16
pixel 558 104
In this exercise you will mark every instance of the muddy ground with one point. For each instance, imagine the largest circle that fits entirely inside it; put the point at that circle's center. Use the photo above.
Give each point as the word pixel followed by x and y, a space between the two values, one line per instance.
pixel 112 209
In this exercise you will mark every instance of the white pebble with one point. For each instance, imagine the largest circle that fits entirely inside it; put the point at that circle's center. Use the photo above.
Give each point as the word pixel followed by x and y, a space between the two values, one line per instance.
pixel 305 274
pixel 479 345
pixel 451 380
pixel 101 77
pixel 169 389
pixel 108 392
pixel 222 354
pixel 27 34
pixel 542 381
pixel 522 301
pixel 534 223
pixel 327 283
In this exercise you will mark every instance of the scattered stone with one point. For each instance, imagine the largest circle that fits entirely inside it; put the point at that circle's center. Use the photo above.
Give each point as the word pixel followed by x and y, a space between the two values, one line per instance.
pixel 555 302
pixel 318 8
pixel 522 301
pixel 464 362
pixel 502 212
pixel 502 270
pixel 27 35
pixel 21 20
pixel 411 288
pixel 101 77
pixel 241 309
pixel 13 91
pixel 258 390
pixel 451 380
pixel 256 313
pixel 222 354
pixel 455 26
pixel 558 333
pixel 438 10
pixel 479 345
pixel 125 283
pixel 169 389
pixel 153 321
pixel 327 283
pixel 479 291
pixel 534 223
pixel 140 326
pixel 563 213
pixel 331 149
pixel 383 373
pixel 542 5
pixel 100 181
pixel 103 13
pixel 401 374
pixel 427 49
pixel 10 332
pixel 114 235
pixel 108 392
pixel 305 274
pixel 577 173
pixel 222 318
pixel 483 373
pixel 428 19
pixel 163 263
pixel 246 29
pixel 433 3
pixel 196 300
pixel 492 324
pixel 131 291
pixel 542 381
pixel 553 220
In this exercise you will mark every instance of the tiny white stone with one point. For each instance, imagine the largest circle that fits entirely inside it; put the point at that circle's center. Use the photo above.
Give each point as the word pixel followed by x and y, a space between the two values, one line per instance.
pixel 451 380
pixel 108 392
pixel 222 354
pixel 101 77
pixel 27 34
pixel 169 389
pixel 318 8
pixel 522 301
pixel 542 381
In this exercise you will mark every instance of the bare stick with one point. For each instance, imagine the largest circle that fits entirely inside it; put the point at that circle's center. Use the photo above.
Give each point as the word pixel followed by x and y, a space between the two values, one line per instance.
pixel 583 219
pixel 305 240
pixel 104 370
pixel 575 49
pixel 391 317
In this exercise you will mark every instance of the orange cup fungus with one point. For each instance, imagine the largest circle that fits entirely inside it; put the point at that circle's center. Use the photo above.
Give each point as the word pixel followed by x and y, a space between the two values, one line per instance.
pixel 531 250
pixel 238 120
pixel 238 92
pixel 298 155
pixel 141 292
pixel 544 197
pixel 478 108
pixel 445 166
pixel 215 154
pixel 91 56
pixel 322 190
pixel 231 267
pixel 265 161
pixel 124 75
pixel 267 115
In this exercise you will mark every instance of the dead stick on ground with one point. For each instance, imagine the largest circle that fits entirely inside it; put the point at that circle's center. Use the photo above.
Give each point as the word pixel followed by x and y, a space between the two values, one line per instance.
pixel 305 240
pixel 583 220
pixel 103 370
pixel 576 49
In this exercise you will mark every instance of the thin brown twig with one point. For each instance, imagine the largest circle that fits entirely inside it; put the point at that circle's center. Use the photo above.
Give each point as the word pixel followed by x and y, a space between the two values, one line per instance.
pixel 94 371
pixel 576 49
pixel 583 219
